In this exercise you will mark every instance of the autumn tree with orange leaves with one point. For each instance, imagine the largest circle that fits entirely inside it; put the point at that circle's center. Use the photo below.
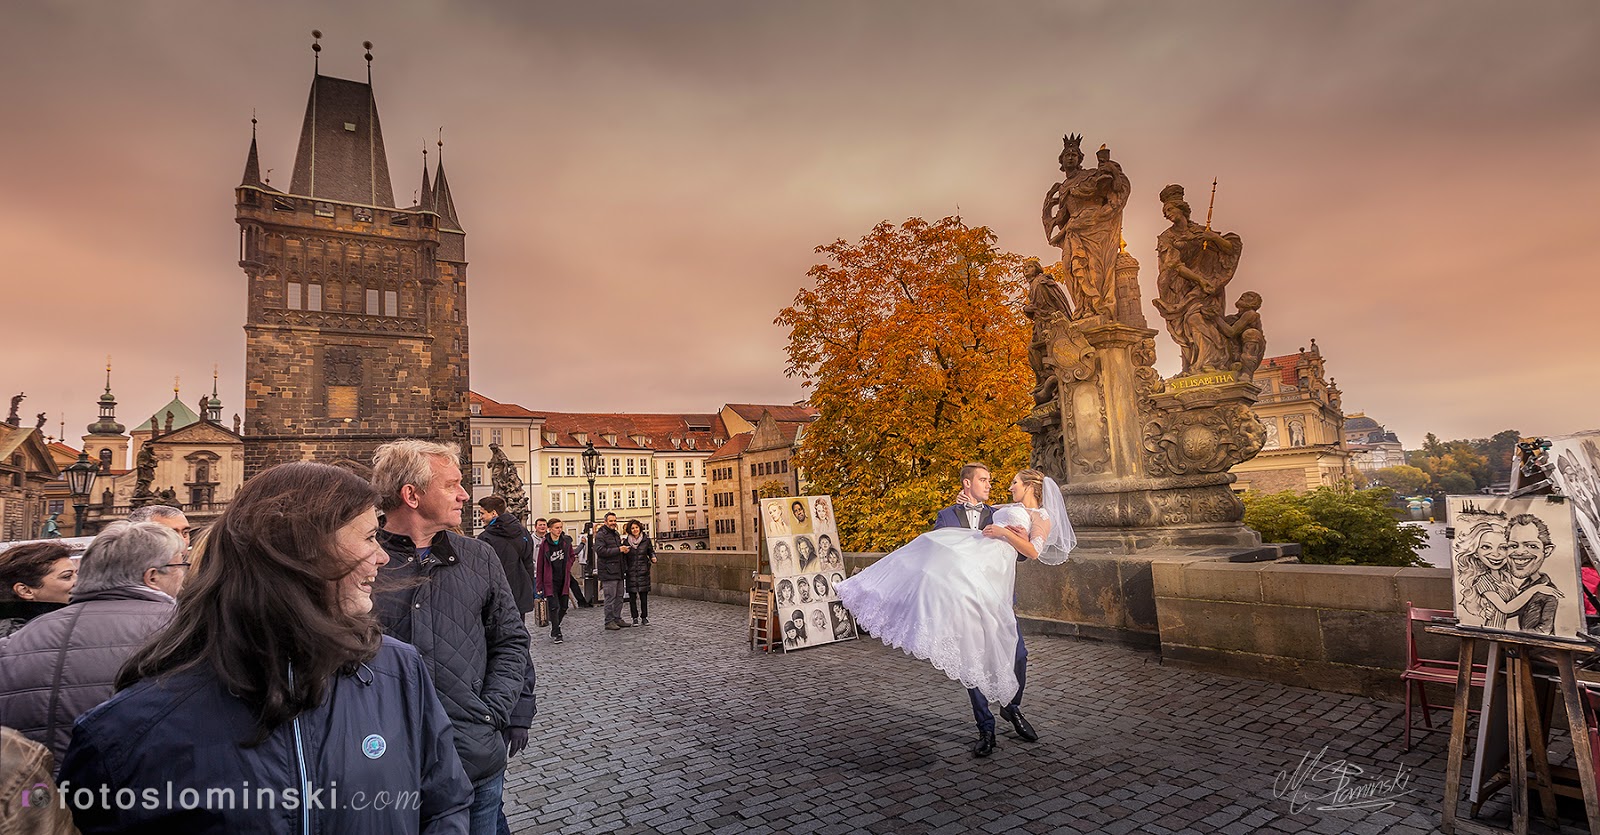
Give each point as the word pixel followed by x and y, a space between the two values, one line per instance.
pixel 915 350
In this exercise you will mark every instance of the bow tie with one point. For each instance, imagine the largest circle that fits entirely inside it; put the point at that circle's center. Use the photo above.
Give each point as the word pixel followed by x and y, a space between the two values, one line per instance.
pixel 973 506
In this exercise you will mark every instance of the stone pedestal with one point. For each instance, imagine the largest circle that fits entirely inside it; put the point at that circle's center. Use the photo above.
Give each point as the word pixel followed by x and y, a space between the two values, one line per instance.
pixel 1143 463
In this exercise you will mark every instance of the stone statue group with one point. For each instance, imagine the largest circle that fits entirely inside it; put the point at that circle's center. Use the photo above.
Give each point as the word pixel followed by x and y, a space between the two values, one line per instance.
pixel 1082 215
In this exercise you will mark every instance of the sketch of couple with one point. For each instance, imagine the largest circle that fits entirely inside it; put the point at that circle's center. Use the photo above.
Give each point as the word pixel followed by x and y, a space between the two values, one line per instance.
pixel 1499 569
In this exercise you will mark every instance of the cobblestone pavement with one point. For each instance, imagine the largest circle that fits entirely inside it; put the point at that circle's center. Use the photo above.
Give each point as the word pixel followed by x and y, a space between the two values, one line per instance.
pixel 677 728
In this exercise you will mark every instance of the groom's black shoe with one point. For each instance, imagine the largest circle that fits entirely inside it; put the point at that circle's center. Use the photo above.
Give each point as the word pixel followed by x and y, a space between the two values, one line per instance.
pixel 1018 721
pixel 985 744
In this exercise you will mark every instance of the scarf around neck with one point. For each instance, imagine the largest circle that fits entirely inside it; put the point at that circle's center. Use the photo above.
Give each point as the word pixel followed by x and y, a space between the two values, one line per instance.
pixel 633 541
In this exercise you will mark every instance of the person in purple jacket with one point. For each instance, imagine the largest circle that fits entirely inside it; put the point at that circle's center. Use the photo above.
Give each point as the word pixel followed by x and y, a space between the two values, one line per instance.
pixel 273 702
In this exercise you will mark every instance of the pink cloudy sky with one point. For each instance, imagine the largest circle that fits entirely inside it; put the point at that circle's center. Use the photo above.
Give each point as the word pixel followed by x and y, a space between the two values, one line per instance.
pixel 643 183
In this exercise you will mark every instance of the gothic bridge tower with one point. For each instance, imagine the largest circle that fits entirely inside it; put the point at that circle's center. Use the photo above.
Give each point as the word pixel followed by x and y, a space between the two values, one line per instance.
pixel 356 308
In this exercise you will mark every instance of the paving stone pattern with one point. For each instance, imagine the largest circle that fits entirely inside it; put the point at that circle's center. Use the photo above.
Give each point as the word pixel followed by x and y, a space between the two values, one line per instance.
pixel 677 728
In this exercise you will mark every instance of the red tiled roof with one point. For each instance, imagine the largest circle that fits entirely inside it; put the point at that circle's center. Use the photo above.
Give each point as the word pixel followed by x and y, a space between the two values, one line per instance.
pixel 57 446
pixel 793 414
pixel 657 430
pixel 492 408
pixel 1287 366
pixel 734 447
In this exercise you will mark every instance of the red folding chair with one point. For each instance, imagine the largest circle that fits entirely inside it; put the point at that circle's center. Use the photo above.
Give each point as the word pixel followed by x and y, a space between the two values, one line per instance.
pixel 1419 670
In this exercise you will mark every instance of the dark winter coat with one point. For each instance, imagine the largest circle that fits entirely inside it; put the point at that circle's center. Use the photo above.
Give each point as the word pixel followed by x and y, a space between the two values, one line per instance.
pixel 608 549
pixel 63 663
pixel 379 733
pixel 555 575
pixel 455 606
pixel 15 613
pixel 639 565
pixel 515 545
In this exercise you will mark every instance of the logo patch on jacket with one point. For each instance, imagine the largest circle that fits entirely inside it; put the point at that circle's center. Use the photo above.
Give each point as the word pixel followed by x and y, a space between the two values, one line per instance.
pixel 373 746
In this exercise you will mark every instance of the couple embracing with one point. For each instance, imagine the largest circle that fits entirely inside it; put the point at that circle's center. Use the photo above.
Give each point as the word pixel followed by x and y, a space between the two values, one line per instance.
pixel 947 596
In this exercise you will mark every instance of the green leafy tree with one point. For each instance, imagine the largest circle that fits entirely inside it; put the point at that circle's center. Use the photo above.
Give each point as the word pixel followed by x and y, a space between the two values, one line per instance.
pixel 915 349
pixel 1457 483
pixel 1403 479
pixel 1336 526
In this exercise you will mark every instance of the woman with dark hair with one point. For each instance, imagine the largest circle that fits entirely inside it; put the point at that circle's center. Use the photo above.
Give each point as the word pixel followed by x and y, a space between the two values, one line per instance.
pixel 274 677
pixel 34 579
pixel 820 583
pixel 785 592
pixel 641 555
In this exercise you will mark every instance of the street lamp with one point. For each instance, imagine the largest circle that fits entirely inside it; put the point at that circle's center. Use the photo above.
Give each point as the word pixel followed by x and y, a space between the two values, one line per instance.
pixel 80 481
pixel 591 468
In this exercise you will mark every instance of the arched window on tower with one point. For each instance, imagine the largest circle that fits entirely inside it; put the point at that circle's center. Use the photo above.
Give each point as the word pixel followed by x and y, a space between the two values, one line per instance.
pixel 105 460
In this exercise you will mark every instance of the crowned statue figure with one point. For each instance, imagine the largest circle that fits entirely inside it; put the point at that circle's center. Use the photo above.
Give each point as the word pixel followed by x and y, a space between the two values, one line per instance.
pixel 1196 264
pixel 1082 215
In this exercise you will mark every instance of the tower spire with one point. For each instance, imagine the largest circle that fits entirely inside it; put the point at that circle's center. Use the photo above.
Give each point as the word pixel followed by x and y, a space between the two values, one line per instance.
pixel 316 51
pixel 442 202
pixel 425 197
pixel 368 46
pixel 252 162
pixel 107 424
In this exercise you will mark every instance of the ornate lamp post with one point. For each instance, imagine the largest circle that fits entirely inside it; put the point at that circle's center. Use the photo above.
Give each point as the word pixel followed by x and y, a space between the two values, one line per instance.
pixel 591 468
pixel 80 482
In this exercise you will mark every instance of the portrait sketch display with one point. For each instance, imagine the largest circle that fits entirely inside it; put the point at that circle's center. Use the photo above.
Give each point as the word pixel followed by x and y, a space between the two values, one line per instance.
pixel 802 539
pixel 1514 565
pixel 1575 468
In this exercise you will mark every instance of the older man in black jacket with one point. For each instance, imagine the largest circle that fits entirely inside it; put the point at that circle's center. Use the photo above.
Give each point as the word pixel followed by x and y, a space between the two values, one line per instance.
pixel 447 595
pixel 613 555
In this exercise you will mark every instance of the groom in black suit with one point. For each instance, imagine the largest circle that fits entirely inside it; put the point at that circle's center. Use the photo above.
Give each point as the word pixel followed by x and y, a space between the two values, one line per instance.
pixel 972 510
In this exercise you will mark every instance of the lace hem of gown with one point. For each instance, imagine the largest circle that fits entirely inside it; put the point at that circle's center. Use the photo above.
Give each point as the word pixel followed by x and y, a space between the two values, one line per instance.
pixel 943 651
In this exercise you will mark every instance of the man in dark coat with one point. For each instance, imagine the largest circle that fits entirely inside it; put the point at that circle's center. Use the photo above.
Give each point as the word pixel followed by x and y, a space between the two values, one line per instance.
pixel 613 556
pixel 447 595
pixel 509 539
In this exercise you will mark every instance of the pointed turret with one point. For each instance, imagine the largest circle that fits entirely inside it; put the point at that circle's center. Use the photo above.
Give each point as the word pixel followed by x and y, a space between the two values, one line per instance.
pixel 252 163
pixel 425 197
pixel 107 424
pixel 214 404
pixel 442 201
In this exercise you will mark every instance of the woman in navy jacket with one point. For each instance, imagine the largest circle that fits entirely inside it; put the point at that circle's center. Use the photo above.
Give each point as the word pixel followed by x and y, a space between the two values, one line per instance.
pixel 273 703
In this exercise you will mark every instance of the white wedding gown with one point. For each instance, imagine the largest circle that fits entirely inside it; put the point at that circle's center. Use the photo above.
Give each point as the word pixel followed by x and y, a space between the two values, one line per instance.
pixel 946 597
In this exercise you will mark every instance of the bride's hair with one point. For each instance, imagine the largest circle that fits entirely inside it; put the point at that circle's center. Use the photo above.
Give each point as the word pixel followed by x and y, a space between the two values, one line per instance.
pixel 1034 481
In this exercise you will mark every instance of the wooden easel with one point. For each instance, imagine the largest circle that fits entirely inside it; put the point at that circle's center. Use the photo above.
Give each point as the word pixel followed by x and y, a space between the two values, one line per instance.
pixel 1524 729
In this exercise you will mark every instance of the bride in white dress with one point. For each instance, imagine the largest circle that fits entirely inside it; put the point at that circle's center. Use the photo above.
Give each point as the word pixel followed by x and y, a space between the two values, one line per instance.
pixel 946 597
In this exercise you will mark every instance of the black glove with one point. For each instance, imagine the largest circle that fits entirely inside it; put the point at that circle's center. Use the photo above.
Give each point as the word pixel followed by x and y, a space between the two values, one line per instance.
pixel 516 740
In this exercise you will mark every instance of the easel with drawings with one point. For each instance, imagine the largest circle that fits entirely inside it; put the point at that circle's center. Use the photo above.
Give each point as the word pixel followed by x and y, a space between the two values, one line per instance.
pixel 1512 739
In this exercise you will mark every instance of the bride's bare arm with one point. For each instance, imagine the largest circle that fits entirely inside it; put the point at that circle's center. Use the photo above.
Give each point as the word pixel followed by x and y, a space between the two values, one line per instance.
pixel 1012 538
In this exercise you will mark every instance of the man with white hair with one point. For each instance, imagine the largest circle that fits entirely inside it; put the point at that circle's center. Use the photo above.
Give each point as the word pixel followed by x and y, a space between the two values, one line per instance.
pixel 447 595
pixel 65 662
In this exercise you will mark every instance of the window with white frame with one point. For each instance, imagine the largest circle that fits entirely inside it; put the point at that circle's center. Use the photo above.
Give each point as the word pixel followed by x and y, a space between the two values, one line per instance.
pixel 555 502
pixel 497 436
pixel 585 497
pixel 477 437
pixel 688 469
pixel 644 500
pixel 603 505
pixel 616 498
pixel 477 475
pixel 672 497
pixel 572 466
pixel 672 470
pixel 555 466
pixel 633 498
pixel 616 466
pixel 688 496
pixel 630 466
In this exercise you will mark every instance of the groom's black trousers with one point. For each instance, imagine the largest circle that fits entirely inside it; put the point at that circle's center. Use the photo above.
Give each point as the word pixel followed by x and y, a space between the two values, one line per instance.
pixel 980 702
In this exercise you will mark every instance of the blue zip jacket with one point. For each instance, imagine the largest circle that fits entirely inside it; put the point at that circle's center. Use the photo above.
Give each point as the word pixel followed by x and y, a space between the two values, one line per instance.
pixel 377 757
